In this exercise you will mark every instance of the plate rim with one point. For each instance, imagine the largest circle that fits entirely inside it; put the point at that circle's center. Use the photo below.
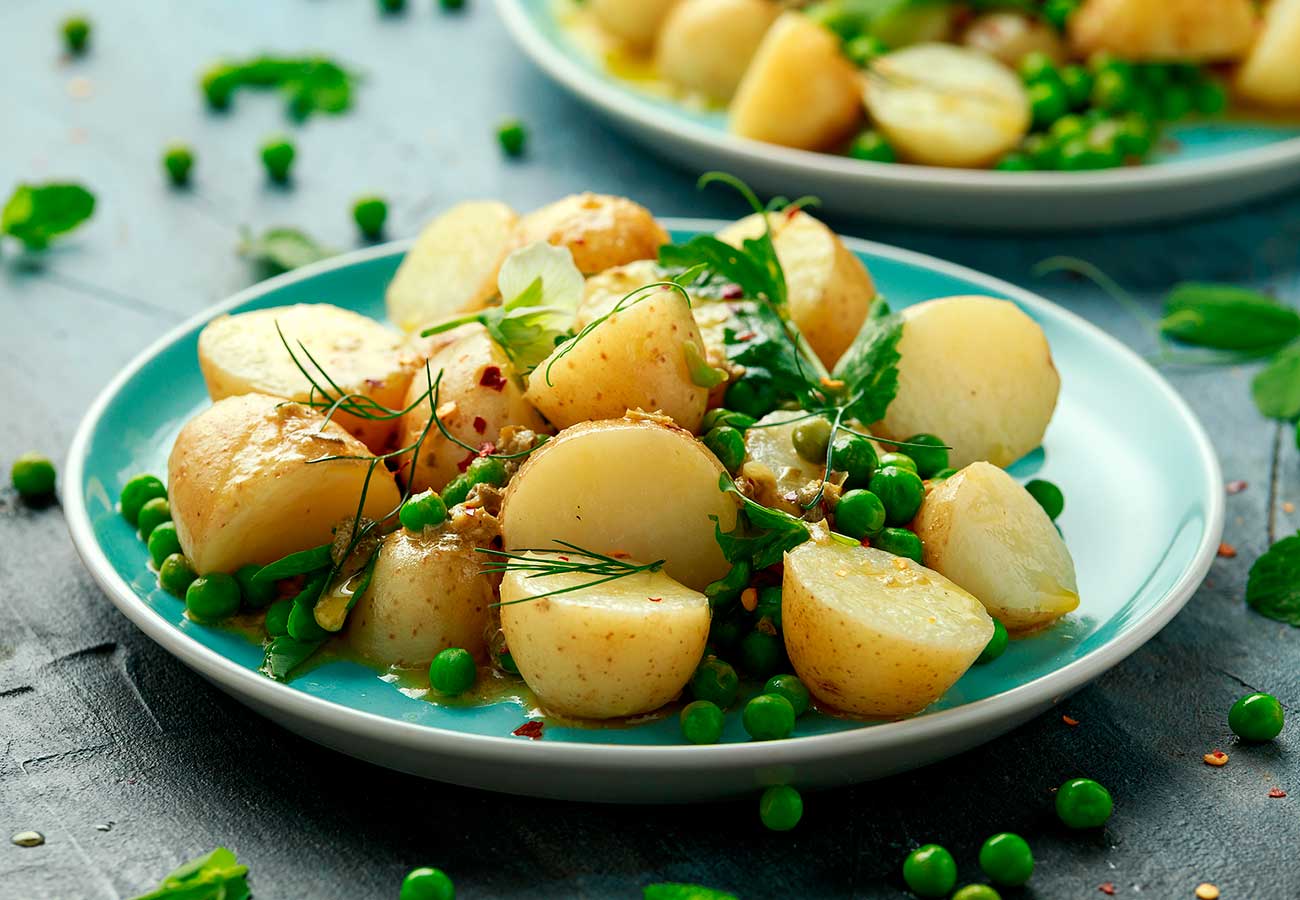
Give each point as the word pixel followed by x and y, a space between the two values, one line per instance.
pixel 627 106
pixel 263 693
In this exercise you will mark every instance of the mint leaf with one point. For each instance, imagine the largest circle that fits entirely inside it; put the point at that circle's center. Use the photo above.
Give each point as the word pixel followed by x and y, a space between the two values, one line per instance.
pixel 761 536
pixel 286 653
pixel 1273 589
pixel 216 876
pixel 1226 317
pixel 36 213
pixel 282 249
pixel 675 891
pixel 869 368
pixel 1276 389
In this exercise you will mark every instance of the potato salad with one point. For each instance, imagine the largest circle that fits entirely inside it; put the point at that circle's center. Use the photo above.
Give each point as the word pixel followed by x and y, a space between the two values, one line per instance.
pixel 624 472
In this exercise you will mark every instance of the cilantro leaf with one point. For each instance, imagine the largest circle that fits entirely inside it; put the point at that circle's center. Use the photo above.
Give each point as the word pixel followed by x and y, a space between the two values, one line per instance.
pixel 869 368
pixel 282 249
pixel 286 653
pixel 215 876
pixel 35 213
pixel 676 891
pixel 1276 389
pixel 1226 317
pixel 1273 588
pixel 761 536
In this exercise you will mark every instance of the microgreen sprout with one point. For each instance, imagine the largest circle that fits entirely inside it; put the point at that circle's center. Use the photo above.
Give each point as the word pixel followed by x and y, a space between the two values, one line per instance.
pixel 601 567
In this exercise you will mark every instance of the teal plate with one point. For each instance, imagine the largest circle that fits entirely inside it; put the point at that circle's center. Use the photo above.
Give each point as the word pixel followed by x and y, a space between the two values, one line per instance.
pixel 1135 571
pixel 1201 166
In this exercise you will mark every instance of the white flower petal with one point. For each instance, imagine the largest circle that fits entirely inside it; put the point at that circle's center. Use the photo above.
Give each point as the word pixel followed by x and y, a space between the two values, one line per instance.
pixel 561 280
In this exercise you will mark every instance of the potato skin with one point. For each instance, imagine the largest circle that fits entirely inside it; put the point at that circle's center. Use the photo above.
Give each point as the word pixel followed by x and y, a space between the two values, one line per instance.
pixel 242 491
pixel 636 22
pixel 600 231
pixel 706 45
pixel 873 634
pixel 475 403
pixel 1009 37
pixel 977 372
pixel 621 649
pixel 984 531
pixel 426 595
pixel 1270 75
pixel 1156 30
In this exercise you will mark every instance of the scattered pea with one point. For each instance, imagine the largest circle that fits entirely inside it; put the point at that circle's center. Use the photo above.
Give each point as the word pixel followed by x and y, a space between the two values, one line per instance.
pixel 218 86
pixel 997 644
pixel 930 871
pixel 792 689
pixel 392 6
pixel 859 514
pixel 1036 67
pixel 452 672
pixel 702 722
pixel 855 457
pixel 976 892
pixel 1048 101
pixel 1257 717
pixel 901 490
pixel 277 617
pixel 178 161
pixel 728 445
pixel 1007 860
pixel 928 453
pixel 761 653
pixel 422 511
pixel 811 438
pixel 768 717
pixel 163 542
pixel 1078 85
pixel 153 514
pixel 303 626
pixel 715 681
pixel 254 594
pixel 1210 97
pixel 136 493
pixel 76 34
pixel 1041 150
pixel 900 542
pixel 277 156
pixel 1112 90
pixel 175 574
pixel 897 460
pixel 1083 803
pixel 1048 495
pixel 32 476
pixel 512 136
pixel 456 491
pixel 872 146
pixel 488 470
pixel 370 213
pixel 722 416
pixel 211 598
pixel 1015 162
pixel 427 884
pixel 1175 103
pixel 780 807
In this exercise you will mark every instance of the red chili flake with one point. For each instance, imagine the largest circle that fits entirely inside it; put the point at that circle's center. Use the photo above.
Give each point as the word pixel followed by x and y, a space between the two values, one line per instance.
pixel 492 378
pixel 655 599
pixel 1107 888
pixel 374 383
pixel 791 211
pixel 732 292
pixel 1069 721
pixel 480 424
pixel 621 554
pixel 464 463
pixel 866 542
pixel 746 335
pixel 565 558
pixel 1235 487
pixel 1227 551
pixel 1277 793
pixel 531 730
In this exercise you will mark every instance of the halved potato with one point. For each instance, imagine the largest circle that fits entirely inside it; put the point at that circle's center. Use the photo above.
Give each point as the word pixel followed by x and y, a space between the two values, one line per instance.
pixel 1164 30
pixel 875 634
pixel 772 464
pixel 706 45
pixel 978 373
pixel 636 22
pixel 243 354
pixel 599 230
pixel 799 90
pixel 243 488
pixel 1009 37
pixel 635 359
pixel 830 290
pixel 984 531
pixel 621 648
pixel 479 395
pixel 944 105
pixel 426 594
pixel 452 266
pixel 1270 75
pixel 639 486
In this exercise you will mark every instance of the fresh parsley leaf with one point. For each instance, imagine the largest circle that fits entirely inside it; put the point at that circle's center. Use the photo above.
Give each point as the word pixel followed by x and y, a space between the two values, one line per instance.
pixel 35 213
pixel 675 891
pixel 1226 317
pixel 761 536
pixel 1276 389
pixel 312 83
pixel 756 337
pixel 1273 589
pixel 869 368
pixel 286 653
pixel 282 249
pixel 215 876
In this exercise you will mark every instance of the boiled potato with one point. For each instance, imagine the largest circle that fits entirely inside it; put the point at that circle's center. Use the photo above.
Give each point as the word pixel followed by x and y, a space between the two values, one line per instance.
pixel 243 354
pixel 771 463
pixel 479 395
pixel 1271 73
pixel 799 90
pixel 984 531
pixel 1171 30
pixel 243 488
pixel 452 266
pixel 1009 37
pixel 829 289
pixel 978 373
pixel 599 230
pixel 706 45
pixel 943 105
pixel 639 486
pixel 875 634
pixel 635 22
pixel 621 648
pixel 635 359
pixel 426 594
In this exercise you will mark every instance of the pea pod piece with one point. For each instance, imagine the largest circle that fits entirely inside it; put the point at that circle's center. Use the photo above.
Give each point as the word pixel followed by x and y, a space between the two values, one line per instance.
pixel 300 563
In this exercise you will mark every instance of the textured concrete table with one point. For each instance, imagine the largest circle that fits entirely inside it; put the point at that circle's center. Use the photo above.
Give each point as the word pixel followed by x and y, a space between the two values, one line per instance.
pixel 129 764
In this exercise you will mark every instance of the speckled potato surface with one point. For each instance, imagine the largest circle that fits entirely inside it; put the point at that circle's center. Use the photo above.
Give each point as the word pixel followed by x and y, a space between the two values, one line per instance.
pixel 874 634
pixel 600 231
pixel 618 649
pixel 706 46
pixel 242 489
pixel 1270 75
pixel 1164 30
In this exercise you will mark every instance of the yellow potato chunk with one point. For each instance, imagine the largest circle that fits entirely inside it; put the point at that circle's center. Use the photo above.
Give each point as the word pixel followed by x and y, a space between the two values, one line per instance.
pixel 874 634
pixel 244 489
pixel 635 359
pixel 799 90
pixel 639 486
pixel 706 45
pixel 599 230
pixel 636 22
pixel 1156 30
pixel 452 266
pixel 978 373
pixel 1270 76
pixel 1009 37
pixel 984 531
pixel 622 648
pixel 771 463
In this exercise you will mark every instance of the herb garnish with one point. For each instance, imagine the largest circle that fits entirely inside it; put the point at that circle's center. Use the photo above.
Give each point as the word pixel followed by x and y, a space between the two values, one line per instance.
pixel 311 83
pixel 215 876
pixel 281 249
pixel 601 567
pixel 35 213
pixel 762 535
pixel 1273 588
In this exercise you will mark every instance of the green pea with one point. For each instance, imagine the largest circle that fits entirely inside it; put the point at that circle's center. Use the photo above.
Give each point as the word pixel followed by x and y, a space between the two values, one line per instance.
pixel 855 457
pixel 452 672
pixel 211 598
pixel 178 161
pixel 728 445
pixel 943 474
pixel 507 663
pixel 726 590
pixel 1112 90
pixel 392 6
pixel 900 542
pixel 1036 67
pixel 722 416
pixel 76 34
pixel 928 454
pixel 872 146
pixel 768 717
pixel 1048 101
pixel 1067 128
pixel 769 605
pixel 452 4
pixel 864 49
pixel 702 722
pixel 163 542
pixel 1007 860
pixel 859 514
pixel 1175 103
pixel 277 617
pixel 277 156
pixel 32 476
pixel 715 681
pixel 488 470
pixel 512 137
pixel 136 493
pixel 1134 136
pixel 457 490
pixel 811 438
pixel 427 884
pixel 1077 156
pixel 1058 12
pixel 1210 97
pixel 303 625
pixel 1105 148
pixel 976 892
pixel 153 514
pixel 792 689
pixel 761 654
pixel 1015 162
pixel 1042 150
pixel 997 644
pixel 175 574
pixel 422 511
pixel 901 490
pixel 897 460
pixel 218 84
pixel 255 594
pixel 1048 495
pixel 369 213
pixel 780 808
pixel 1083 803
pixel 725 632
pixel 1078 85
pixel 753 393
pixel 930 871
pixel 1256 717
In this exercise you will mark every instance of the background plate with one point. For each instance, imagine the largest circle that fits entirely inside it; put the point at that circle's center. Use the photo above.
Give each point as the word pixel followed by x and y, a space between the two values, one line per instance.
pixel 1143 519
pixel 1205 165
